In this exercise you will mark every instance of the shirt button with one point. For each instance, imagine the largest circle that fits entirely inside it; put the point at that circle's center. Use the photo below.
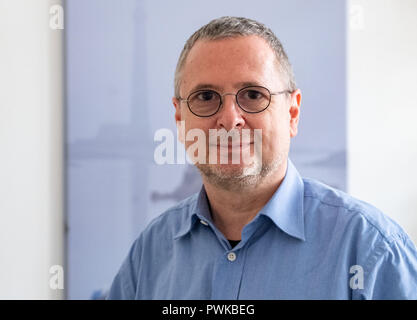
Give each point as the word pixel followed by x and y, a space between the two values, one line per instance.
pixel 203 222
pixel 231 256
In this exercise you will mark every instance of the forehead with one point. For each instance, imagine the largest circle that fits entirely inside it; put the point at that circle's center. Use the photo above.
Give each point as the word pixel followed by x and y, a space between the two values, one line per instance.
pixel 228 62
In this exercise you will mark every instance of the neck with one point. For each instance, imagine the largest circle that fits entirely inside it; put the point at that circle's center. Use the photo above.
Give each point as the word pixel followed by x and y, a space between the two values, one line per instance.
pixel 233 209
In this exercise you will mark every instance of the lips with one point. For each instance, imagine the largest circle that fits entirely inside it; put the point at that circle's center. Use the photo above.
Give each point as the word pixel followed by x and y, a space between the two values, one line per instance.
pixel 230 145
pixel 233 148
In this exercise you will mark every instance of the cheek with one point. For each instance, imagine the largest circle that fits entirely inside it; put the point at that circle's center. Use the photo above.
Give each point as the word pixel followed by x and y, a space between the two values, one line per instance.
pixel 196 129
pixel 276 136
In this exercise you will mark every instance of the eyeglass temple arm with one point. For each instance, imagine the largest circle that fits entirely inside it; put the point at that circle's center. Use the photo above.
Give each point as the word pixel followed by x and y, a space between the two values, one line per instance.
pixel 281 92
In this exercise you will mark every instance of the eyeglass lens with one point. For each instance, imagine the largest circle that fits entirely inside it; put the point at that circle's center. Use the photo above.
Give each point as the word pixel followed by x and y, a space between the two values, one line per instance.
pixel 207 102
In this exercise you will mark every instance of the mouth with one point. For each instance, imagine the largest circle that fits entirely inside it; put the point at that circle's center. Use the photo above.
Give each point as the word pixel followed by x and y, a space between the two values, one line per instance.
pixel 232 147
pixel 222 145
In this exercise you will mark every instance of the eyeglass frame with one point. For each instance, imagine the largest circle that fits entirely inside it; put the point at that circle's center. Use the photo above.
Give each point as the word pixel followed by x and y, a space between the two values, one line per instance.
pixel 233 94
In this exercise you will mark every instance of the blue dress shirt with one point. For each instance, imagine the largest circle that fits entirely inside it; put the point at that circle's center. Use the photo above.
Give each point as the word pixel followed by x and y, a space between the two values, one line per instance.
pixel 309 241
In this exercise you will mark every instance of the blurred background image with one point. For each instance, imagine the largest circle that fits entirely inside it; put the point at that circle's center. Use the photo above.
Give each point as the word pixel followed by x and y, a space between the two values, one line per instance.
pixel 85 84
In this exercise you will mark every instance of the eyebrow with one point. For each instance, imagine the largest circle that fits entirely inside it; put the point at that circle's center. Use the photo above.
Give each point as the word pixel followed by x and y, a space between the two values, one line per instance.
pixel 237 85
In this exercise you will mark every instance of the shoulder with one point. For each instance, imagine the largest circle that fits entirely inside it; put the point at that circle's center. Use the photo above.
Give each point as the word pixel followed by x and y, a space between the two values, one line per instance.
pixel 351 212
pixel 151 246
pixel 157 236
pixel 366 237
pixel 172 220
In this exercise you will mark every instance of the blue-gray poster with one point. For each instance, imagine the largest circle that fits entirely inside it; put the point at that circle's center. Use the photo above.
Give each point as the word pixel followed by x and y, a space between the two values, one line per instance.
pixel 120 63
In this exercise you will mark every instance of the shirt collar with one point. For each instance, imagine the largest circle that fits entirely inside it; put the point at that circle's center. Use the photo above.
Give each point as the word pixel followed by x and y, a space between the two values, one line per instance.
pixel 198 210
pixel 285 208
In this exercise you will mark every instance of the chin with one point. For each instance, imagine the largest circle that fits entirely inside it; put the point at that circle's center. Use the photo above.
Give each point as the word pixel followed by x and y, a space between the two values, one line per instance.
pixel 238 177
pixel 232 177
pixel 229 170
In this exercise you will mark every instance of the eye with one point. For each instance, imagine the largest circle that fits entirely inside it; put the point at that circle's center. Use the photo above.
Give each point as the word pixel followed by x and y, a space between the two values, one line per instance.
pixel 206 95
pixel 252 94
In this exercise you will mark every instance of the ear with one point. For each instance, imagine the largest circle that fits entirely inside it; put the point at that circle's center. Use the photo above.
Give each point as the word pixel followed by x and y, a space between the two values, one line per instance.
pixel 177 104
pixel 178 119
pixel 295 103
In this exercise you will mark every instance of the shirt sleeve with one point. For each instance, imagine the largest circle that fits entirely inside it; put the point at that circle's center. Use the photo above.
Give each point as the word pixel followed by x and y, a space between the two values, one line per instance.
pixel 125 282
pixel 392 271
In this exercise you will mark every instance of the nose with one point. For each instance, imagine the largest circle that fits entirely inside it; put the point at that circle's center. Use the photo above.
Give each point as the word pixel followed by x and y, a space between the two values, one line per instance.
pixel 230 114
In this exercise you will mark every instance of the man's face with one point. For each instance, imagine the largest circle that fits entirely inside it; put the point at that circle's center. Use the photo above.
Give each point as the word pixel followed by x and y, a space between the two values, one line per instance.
pixel 226 66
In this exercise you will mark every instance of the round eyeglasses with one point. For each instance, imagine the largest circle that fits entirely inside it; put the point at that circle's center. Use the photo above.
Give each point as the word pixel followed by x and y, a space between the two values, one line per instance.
pixel 253 99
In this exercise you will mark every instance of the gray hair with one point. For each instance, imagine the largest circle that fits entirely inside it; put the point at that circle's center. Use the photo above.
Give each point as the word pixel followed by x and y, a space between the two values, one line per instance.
pixel 230 27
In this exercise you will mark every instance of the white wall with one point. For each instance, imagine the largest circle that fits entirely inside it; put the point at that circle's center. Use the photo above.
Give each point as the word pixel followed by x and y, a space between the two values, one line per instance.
pixel 31 135
pixel 382 107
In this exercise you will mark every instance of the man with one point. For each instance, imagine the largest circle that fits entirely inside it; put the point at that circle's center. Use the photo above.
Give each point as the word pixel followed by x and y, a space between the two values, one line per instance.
pixel 257 230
